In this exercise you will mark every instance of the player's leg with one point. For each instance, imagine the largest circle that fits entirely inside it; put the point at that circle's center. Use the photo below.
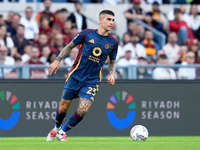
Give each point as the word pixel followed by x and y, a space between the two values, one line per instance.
pixel 67 97
pixel 76 117
pixel 60 115
pixel 61 112
pixel 87 94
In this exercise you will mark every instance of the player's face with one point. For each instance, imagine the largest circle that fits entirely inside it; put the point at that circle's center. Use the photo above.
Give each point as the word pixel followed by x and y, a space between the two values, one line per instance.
pixel 107 22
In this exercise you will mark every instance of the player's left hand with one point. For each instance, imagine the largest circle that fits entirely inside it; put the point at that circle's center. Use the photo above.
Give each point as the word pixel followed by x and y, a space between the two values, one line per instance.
pixel 53 67
pixel 111 79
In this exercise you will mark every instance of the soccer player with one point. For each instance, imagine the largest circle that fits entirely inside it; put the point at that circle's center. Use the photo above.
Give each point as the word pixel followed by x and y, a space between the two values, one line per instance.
pixel 85 75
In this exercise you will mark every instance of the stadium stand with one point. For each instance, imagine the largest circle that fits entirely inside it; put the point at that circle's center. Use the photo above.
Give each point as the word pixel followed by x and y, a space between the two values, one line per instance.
pixel 158 17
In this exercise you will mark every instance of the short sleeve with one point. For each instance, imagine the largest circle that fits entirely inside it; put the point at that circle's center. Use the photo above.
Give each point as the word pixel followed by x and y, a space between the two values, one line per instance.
pixel 113 54
pixel 79 38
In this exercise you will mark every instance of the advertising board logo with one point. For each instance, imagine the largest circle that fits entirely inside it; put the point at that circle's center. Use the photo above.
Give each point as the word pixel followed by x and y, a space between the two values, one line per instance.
pixel 126 100
pixel 8 101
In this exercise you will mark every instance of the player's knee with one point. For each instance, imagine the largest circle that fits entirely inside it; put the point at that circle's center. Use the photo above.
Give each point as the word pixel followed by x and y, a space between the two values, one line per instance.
pixel 64 106
pixel 84 106
pixel 62 109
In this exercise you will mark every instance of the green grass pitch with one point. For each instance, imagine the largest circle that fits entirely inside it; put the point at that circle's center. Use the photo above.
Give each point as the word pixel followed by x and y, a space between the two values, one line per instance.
pixel 101 143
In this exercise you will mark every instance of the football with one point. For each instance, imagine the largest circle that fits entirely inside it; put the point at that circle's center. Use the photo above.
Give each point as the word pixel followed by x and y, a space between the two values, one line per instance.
pixel 139 133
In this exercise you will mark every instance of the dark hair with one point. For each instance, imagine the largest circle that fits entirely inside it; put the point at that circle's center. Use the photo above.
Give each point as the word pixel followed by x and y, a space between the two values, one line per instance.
pixel 47 0
pixel 134 35
pixel 64 10
pixel 17 59
pixel 127 33
pixel 191 9
pixel 56 26
pixel 1 16
pixel 34 46
pixel 16 14
pixel 44 17
pixel 68 20
pixel 3 25
pixel 142 58
pixel 58 11
pixel 77 2
pixel 74 26
pixel 155 3
pixel 43 34
pixel 106 12
pixel 28 44
pixel 162 56
pixel 21 25
pixel 44 47
pixel 52 53
pixel 177 10
pixel 189 51
pixel 29 7
pixel 11 12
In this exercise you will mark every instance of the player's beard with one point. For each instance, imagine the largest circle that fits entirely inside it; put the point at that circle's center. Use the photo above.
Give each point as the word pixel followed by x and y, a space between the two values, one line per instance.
pixel 108 29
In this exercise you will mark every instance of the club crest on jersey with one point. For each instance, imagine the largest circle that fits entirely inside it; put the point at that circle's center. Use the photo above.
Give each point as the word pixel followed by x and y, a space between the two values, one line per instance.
pixel 91 41
pixel 107 46
pixel 97 51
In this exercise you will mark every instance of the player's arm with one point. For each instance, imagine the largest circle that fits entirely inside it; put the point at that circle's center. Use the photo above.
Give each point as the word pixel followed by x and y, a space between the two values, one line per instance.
pixel 65 51
pixel 112 70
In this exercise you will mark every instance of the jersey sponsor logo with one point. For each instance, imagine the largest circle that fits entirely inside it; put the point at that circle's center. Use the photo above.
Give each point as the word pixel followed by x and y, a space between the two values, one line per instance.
pixel 94 59
pixel 97 51
pixel 91 41
pixel 107 46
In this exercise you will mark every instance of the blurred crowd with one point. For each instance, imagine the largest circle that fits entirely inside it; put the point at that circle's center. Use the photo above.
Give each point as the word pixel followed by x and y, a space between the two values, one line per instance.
pixel 112 2
pixel 28 40
pixel 140 46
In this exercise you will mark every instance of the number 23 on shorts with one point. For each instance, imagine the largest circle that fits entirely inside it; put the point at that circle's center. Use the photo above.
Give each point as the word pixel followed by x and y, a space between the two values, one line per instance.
pixel 92 91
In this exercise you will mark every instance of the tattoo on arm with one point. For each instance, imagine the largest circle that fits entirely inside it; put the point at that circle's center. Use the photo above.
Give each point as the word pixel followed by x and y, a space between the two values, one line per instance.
pixel 65 51
pixel 112 67
pixel 84 105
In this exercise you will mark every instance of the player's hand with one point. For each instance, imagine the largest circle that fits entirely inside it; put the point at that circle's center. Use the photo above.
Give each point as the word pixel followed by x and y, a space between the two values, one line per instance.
pixel 111 79
pixel 53 67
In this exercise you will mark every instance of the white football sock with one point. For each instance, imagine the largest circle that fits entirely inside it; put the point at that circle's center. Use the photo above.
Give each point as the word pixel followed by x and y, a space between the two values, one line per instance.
pixel 61 131
pixel 57 129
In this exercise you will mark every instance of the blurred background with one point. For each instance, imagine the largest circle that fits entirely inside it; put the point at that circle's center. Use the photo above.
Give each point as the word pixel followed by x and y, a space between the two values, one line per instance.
pixel 158 39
